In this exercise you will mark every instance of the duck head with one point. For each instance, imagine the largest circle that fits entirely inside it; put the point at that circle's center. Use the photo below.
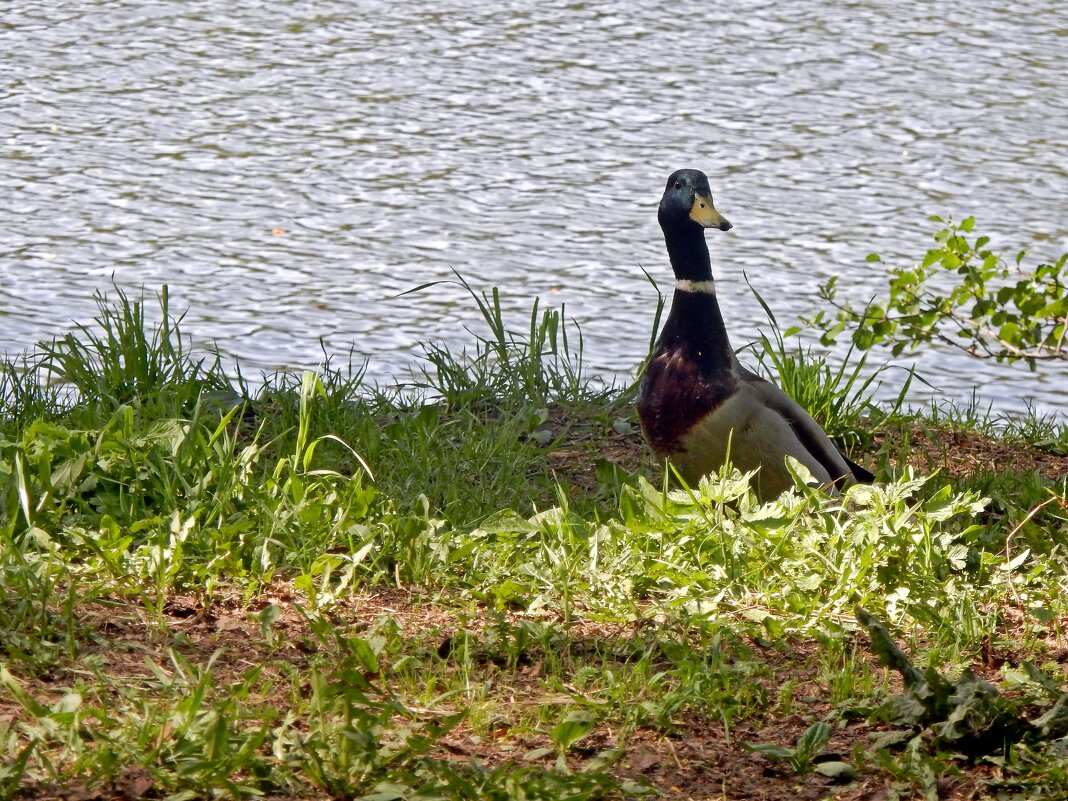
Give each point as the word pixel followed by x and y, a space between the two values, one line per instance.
pixel 687 201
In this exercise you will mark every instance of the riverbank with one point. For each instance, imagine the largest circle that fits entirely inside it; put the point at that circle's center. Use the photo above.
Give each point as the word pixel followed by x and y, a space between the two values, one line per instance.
pixel 476 586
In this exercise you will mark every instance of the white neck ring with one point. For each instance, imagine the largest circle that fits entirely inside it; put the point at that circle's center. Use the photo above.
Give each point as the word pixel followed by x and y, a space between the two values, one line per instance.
pixel 698 287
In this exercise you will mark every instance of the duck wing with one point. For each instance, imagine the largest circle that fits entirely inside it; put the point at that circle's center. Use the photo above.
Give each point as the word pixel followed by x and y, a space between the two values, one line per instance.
pixel 808 432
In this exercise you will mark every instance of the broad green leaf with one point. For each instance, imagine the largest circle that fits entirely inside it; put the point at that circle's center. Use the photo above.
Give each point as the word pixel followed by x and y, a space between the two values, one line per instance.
pixel 811 742
pixel 839 771
pixel 1054 723
pixel 572 728
pixel 771 751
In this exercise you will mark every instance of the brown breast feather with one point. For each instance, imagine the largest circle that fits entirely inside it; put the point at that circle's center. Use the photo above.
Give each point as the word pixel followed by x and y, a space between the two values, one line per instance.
pixel 676 395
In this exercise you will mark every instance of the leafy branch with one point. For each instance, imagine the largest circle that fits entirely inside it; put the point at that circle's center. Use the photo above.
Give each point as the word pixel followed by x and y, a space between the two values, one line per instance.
pixel 963 295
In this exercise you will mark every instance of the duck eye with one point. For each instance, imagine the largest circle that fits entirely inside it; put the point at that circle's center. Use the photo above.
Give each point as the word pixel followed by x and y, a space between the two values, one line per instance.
pixel 678 184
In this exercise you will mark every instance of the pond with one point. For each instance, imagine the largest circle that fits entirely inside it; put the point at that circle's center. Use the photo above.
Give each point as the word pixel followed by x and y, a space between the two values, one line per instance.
pixel 289 169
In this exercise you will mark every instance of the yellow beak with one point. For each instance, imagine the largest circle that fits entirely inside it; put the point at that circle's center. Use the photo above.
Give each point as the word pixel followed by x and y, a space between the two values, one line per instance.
pixel 704 213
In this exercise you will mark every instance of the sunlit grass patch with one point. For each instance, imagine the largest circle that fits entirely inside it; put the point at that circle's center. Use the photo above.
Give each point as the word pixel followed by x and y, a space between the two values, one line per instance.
pixel 577 622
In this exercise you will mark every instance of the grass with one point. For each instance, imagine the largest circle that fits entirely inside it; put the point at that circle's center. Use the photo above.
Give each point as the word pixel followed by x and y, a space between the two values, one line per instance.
pixel 841 398
pixel 476 584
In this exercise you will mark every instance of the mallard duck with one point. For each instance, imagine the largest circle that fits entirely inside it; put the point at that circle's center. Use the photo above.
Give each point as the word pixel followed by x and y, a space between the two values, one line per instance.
pixel 697 404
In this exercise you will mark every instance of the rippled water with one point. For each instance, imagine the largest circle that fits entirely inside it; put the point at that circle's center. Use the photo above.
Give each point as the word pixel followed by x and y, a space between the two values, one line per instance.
pixel 290 168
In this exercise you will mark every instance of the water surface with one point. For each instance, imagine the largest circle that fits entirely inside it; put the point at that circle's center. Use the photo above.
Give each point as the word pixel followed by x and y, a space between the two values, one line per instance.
pixel 289 169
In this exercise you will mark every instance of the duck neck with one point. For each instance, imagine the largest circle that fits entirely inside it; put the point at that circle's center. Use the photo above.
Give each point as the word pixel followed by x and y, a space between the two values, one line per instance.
pixel 695 321
pixel 688 252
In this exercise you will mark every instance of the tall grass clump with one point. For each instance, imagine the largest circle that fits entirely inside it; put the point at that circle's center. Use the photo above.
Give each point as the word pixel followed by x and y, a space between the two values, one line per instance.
pixel 123 358
pixel 536 365
pixel 417 445
pixel 23 396
pixel 842 399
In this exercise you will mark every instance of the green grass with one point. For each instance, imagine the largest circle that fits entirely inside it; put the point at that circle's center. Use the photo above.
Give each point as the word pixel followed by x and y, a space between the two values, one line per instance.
pixel 444 589
pixel 839 398
pixel 1032 428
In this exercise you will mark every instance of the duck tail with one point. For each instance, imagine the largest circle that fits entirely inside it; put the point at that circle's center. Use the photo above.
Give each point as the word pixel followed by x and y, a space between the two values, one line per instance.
pixel 860 474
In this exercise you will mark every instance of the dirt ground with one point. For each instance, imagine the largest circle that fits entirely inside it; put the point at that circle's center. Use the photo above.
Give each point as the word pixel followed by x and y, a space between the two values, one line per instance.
pixel 697 759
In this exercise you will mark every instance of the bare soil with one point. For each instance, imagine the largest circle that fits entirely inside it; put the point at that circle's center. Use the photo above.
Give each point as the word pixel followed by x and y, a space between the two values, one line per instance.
pixel 695 759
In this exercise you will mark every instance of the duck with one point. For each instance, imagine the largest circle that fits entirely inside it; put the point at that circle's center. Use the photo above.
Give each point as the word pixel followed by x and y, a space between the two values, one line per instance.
pixel 697 405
